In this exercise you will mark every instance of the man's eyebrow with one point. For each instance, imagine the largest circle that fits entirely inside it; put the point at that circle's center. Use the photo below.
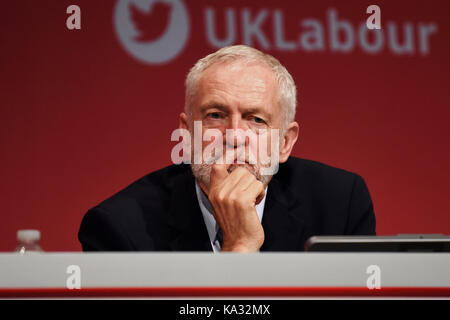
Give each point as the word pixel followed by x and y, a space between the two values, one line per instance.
pixel 213 105
pixel 257 111
pixel 224 108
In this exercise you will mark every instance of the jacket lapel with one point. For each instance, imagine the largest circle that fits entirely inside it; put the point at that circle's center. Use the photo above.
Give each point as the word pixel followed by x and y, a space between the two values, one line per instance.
pixel 283 227
pixel 185 217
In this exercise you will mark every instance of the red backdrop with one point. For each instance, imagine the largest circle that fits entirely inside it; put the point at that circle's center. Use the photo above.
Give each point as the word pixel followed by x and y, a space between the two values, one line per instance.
pixel 81 117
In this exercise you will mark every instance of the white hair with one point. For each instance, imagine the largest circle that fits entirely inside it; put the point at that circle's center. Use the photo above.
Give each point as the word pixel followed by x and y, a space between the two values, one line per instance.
pixel 287 92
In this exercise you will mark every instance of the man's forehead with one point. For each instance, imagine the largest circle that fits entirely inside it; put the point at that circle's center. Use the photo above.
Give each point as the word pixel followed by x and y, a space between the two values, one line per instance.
pixel 245 81
pixel 240 71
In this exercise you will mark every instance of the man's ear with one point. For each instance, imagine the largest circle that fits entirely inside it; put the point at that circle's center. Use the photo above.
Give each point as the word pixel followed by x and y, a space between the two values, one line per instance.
pixel 288 140
pixel 183 121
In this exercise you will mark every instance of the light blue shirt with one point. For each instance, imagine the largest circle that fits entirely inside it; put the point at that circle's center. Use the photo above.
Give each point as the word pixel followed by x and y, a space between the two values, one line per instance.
pixel 211 224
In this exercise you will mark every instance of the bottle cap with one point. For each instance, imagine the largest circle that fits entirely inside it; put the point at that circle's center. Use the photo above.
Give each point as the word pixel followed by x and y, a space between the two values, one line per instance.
pixel 28 235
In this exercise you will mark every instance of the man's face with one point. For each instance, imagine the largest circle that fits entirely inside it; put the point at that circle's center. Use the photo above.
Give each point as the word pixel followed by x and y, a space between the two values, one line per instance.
pixel 237 96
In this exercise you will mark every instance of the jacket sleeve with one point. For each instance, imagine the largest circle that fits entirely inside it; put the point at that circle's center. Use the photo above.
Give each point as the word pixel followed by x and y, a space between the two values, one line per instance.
pixel 99 232
pixel 361 219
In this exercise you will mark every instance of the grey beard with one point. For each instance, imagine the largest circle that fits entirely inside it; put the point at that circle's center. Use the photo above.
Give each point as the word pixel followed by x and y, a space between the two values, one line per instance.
pixel 202 172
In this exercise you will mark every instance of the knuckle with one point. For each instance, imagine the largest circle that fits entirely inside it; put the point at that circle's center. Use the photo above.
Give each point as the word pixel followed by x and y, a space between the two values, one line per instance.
pixel 221 196
pixel 239 171
pixel 233 198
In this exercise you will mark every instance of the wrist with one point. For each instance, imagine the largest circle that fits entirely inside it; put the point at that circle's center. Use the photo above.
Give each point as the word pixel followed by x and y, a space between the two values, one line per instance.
pixel 240 248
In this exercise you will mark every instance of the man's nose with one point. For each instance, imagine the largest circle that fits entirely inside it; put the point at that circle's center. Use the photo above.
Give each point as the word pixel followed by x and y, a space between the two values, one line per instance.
pixel 235 136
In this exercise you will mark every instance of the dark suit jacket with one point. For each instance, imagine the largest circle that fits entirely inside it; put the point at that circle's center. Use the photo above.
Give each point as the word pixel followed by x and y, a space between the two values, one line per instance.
pixel 160 212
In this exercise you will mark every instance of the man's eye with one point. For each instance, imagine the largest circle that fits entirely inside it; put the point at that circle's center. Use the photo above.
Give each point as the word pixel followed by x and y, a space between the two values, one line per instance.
pixel 214 115
pixel 258 120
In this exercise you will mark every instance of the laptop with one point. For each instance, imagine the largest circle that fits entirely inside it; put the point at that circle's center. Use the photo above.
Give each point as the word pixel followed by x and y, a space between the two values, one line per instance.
pixel 398 243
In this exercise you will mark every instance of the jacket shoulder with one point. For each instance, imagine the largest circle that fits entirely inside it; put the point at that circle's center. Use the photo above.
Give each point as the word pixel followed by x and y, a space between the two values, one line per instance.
pixel 297 171
pixel 338 200
pixel 156 185
pixel 133 218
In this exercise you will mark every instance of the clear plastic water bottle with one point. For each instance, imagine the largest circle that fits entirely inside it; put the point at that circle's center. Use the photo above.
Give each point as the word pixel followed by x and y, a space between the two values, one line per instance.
pixel 28 241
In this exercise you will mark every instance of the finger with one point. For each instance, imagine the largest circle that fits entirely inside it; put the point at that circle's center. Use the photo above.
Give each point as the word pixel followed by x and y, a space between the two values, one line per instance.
pixel 255 191
pixel 234 180
pixel 245 181
pixel 218 174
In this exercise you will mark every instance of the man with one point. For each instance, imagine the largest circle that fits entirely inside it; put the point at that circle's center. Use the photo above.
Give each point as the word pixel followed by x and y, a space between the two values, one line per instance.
pixel 230 203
